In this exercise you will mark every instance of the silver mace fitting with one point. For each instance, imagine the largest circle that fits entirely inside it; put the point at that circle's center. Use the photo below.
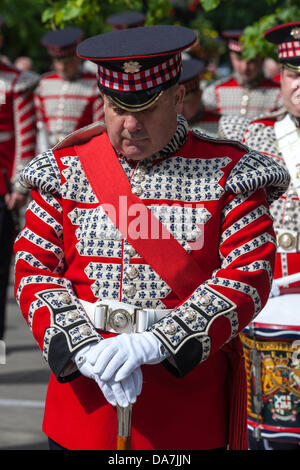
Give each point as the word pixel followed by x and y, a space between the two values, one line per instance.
pixel 124 420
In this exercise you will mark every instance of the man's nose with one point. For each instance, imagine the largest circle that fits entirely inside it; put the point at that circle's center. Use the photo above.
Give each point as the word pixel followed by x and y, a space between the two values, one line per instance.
pixel 132 123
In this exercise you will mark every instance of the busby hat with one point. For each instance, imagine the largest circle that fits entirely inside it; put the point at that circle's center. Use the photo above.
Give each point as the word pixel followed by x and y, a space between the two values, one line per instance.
pixel 232 36
pixel 136 65
pixel 62 43
pixel 287 38
pixel 191 73
pixel 127 19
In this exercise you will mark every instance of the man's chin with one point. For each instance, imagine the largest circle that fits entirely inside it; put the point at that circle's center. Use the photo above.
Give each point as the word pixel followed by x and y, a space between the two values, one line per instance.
pixel 135 152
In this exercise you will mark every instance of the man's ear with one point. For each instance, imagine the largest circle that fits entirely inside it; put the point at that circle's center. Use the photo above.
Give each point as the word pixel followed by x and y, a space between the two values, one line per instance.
pixel 179 97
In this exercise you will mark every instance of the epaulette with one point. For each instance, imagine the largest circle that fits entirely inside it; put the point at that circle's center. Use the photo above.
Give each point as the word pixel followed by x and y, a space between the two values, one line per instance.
pixel 219 140
pixel 276 115
pixel 26 80
pixel 220 81
pixel 81 136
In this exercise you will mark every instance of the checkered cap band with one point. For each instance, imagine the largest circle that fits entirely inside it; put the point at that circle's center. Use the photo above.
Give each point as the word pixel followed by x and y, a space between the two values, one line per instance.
pixel 234 46
pixel 289 49
pixel 143 80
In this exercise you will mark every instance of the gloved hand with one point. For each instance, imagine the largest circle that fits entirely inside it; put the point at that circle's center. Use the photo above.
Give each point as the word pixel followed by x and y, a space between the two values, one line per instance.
pixel 275 291
pixel 121 392
pixel 119 356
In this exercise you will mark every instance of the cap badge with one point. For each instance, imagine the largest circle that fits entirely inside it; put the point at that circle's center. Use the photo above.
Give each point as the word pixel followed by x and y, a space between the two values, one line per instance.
pixel 295 33
pixel 131 67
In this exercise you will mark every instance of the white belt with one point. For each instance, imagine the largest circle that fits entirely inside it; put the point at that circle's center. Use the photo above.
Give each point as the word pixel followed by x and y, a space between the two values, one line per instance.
pixel 119 317
pixel 4 136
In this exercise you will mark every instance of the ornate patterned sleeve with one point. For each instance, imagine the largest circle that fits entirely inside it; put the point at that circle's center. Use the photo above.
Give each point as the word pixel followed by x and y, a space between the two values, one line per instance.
pixel 232 127
pixel 237 291
pixel 25 124
pixel 46 298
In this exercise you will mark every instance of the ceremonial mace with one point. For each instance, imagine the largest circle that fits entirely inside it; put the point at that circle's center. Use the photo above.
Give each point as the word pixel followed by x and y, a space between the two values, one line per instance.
pixel 124 427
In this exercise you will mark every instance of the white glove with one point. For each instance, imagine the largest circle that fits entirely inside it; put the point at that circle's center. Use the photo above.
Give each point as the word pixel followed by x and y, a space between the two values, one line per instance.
pixel 119 356
pixel 121 392
pixel 275 291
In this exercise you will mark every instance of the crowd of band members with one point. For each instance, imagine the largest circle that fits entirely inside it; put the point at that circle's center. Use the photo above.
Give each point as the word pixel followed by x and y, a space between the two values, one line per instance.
pixel 37 111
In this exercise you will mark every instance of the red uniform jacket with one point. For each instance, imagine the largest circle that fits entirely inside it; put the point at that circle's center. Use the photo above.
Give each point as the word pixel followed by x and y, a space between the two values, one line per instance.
pixel 64 106
pixel 17 123
pixel 203 190
pixel 260 135
pixel 229 96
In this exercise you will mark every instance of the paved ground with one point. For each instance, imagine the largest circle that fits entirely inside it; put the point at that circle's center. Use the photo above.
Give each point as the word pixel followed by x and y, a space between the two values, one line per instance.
pixel 23 383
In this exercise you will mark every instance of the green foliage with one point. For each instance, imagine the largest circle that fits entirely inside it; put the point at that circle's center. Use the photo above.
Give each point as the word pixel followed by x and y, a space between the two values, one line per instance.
pixel 26 21
pixel 210 43
pixel 253 40
pixel 23 30
pixel 158 11
pixel 210 4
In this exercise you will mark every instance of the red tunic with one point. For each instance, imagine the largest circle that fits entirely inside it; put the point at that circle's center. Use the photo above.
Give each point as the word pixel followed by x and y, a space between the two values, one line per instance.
pixel 69 246
pixel 259 134
pixel 229 96
pixel 64 106
pixel 17 122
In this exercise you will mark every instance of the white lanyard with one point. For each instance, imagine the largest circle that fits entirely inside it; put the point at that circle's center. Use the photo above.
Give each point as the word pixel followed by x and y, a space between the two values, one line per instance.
pixel 288 139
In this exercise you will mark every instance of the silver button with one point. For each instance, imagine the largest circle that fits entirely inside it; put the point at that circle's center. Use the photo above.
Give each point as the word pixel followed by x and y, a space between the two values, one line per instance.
pixel 132 272
pixel 290 205
pixel 64 298
pixel 141 170
pixel 287 219
pixel 171 329
pixel 130 291
pixel 287 241
pixel 137 190
pixel 73 315
pixel 205 300
pixel 139 177
pixel 85 330
pixel 193 235
pixel 131 251
pixel 190 315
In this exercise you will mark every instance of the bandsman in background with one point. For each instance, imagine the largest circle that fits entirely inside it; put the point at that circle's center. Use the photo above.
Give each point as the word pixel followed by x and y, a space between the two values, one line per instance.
pixel 17 147
pixel 278 134
pixel 67 98
pixel 246 92
pixel 193 108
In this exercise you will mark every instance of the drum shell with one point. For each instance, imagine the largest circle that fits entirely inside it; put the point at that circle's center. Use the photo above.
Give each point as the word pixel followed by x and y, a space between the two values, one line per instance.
pixel 272 358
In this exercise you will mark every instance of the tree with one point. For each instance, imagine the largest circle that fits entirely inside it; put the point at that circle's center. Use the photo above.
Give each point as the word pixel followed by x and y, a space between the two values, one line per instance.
pixel 26 21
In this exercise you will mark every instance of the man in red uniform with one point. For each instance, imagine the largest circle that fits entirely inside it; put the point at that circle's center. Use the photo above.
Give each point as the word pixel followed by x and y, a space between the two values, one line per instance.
pixel 17 147
pixel 193 108
pixel 246 92
pixel 277 135
pixel 147 248
pixel 66 98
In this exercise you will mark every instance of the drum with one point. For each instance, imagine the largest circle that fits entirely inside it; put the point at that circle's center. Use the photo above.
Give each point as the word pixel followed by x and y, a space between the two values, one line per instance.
pixel 272 355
